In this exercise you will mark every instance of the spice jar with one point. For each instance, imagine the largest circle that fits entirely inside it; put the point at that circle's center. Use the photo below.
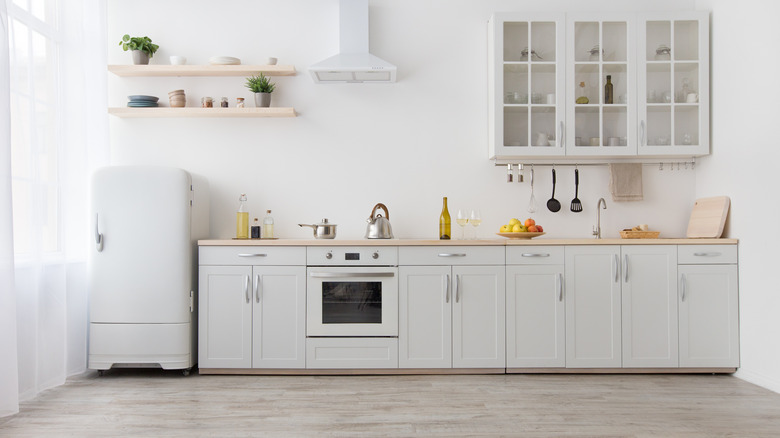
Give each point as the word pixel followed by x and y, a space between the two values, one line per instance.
pixel 207 102
pixel 223 102
pixel 239 102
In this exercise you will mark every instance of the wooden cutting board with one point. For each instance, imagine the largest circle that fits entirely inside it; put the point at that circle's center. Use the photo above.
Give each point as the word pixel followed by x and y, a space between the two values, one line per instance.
pixel 708 217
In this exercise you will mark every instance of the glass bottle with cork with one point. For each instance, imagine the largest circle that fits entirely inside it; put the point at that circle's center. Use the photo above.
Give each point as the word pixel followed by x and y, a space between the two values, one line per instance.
pixel 445 222
pixel 242 218
pixel 255 229
pixel 268 226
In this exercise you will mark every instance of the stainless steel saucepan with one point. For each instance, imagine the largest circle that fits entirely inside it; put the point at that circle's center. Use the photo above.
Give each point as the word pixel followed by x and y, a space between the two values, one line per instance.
pixel 323 230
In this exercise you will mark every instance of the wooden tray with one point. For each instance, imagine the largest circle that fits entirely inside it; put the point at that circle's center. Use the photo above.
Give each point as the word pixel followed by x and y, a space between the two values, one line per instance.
pixel 639 234
pixel 526 235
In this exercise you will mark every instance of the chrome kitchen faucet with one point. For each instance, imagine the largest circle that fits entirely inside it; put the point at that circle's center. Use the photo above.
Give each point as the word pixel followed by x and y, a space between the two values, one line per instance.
pixel 597 228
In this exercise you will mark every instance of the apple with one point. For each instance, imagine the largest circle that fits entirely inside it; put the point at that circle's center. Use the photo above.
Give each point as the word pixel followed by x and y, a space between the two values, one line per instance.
pixel 532 229
pixel 530 222
pixel 539 229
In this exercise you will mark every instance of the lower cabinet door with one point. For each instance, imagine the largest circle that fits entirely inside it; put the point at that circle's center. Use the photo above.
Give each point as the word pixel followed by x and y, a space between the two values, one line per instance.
pixel 279 317
pixel 425 317
pixel 535 317
pixel 593 311
pixel 224 317
pixel 478 317
pixel 649 301
pixel 709 316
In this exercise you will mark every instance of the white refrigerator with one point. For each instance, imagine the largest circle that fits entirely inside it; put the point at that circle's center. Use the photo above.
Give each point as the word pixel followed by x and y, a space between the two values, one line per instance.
pixel 143 267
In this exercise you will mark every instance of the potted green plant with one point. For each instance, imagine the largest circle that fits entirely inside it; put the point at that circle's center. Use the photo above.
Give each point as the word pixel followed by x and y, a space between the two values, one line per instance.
pixel 262 87
pixel 141 48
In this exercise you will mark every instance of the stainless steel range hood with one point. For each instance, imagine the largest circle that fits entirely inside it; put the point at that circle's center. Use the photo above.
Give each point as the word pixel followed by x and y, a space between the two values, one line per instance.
pixel 353 63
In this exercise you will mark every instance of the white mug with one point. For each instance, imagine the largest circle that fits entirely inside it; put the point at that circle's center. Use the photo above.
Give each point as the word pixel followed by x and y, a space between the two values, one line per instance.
pixel 595 141
pixel 692 98
pixel 178 60
pixel 613 141
pixel 541 139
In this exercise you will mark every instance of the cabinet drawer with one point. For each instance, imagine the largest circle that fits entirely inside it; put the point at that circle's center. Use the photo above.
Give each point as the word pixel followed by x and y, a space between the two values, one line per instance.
pixel 252 255
pixel 706 254
pixel 534 255
pixel 451 255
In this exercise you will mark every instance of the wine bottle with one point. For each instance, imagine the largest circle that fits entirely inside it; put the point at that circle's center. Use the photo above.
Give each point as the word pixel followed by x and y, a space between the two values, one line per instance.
pixel 445 224
pixel 608 90
pixel 242 219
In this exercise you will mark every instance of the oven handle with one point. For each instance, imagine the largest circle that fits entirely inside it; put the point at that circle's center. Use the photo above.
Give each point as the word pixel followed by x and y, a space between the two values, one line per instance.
pixel 351 274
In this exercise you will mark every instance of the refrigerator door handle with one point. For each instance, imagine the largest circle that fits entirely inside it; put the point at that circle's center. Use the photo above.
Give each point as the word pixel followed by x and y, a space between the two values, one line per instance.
pixel 98 236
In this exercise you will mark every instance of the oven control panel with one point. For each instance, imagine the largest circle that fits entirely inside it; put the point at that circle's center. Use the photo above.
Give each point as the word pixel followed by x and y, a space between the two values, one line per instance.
pixel 351 256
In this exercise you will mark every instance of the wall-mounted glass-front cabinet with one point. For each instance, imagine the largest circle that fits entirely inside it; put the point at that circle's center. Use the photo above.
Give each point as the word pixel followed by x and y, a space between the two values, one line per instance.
pixel 548 75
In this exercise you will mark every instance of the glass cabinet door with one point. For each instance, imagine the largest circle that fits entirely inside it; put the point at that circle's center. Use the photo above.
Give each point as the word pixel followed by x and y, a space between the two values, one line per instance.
pixel 600 51
pixel 527 93
pixel 674 78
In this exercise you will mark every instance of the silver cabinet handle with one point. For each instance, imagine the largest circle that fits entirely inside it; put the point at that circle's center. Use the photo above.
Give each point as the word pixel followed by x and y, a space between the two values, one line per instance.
pixel 257 288
pixel 246 288
pixel 447 288
pixel 98 236
pixel 446 254
pixel 625 267
pixel 253 255
pixel 530 254
pixel 351 274
pixel 615 267
pixel 562 134
pixel 457 288
pixel 560 287
pixel 707 254
pixel 682 287
pixel 642 133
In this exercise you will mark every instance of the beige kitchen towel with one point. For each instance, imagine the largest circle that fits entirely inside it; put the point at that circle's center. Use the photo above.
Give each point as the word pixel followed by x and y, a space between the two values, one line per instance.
pixel 625 182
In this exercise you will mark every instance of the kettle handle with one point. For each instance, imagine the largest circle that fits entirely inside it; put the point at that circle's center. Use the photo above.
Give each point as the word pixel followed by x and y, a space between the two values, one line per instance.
pixel 383 207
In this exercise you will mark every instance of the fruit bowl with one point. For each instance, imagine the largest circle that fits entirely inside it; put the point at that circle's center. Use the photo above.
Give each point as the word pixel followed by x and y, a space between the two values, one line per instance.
pixel 521 235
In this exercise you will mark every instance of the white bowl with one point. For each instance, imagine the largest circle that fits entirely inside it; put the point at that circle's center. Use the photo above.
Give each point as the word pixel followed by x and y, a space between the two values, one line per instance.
pixel 271 60
pixel 178 60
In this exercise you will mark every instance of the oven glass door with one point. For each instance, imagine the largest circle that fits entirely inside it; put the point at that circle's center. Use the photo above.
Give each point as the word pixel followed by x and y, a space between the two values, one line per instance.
pixel 351 301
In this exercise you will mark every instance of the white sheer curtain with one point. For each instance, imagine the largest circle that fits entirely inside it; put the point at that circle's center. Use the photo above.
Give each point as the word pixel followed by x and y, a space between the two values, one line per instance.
pixel 9 383
pixel 43 288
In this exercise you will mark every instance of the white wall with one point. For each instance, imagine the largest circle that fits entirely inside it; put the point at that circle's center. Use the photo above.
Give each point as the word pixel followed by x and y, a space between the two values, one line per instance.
pixel 746 151
pixel 405 144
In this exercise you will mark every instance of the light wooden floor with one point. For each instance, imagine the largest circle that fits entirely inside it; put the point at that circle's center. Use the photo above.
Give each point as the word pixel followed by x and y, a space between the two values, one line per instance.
pixel 153 403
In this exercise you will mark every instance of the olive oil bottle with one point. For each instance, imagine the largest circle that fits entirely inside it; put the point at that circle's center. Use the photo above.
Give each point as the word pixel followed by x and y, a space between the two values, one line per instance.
pixel 445 222
pixel 242 219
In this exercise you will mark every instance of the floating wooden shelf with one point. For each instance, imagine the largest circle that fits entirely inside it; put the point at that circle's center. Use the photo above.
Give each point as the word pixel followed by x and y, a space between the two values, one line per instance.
pixel 201 70
pixel 201 112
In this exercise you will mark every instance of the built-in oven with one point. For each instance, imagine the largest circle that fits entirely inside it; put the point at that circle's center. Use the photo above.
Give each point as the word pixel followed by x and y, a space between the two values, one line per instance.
pixel 352 292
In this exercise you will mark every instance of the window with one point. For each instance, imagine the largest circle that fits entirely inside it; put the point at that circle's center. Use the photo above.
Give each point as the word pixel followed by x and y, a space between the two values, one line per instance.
pixel 35 125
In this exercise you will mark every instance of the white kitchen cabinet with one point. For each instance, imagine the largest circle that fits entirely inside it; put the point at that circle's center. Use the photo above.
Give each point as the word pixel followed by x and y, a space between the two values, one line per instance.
pixel 224 317
pixel 279 317
pixel 649 303
pixel 535 308
pixel 425 317
pixel 598 46
pixel 252 315
pixel 674 77
pixel 708 307
pixel 451 314
pixel 526 74
pixel 648 115
pixel 593 310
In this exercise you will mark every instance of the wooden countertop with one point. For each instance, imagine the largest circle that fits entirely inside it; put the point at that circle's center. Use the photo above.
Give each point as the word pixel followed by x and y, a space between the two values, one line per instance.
pixel 540 241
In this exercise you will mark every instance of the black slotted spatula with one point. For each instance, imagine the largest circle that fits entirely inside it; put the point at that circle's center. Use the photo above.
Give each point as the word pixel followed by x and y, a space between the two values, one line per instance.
pixel 576 205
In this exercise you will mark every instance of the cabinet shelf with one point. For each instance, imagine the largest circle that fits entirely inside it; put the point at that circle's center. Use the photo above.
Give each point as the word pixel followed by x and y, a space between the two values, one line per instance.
pixel 200 70
pixel 201 112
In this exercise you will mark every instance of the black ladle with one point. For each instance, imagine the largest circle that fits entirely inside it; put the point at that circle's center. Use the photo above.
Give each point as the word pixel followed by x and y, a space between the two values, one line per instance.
pixel 553 205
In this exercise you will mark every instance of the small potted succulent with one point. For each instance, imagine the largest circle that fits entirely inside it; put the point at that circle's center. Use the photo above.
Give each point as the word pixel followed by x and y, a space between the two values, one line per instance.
pixel 141 48
pixel 262 87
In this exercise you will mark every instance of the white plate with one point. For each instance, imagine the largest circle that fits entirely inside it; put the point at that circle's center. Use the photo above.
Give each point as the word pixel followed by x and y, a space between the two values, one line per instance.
pixel 224 60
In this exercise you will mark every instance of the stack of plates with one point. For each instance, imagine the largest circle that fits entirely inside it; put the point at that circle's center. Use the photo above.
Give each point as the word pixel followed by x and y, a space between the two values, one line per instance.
pixel 177 98
pixel 142 101
pixel 224 60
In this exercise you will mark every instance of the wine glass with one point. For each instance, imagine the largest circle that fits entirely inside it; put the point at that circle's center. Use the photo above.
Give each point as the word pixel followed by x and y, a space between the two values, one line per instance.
pixel 462 219
pixel 475 219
